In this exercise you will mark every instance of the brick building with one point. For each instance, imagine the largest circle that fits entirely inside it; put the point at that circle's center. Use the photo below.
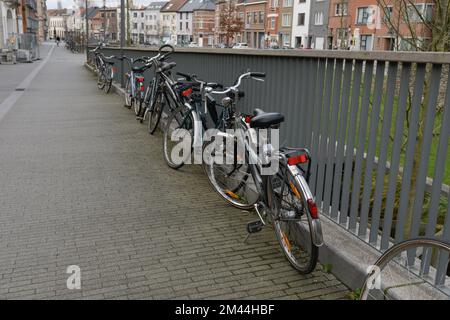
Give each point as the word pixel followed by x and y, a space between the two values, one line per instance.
pixel 361 24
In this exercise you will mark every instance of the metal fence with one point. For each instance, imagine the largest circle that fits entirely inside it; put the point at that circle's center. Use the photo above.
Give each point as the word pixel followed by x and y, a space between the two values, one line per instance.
pixel 377 124
pixel 29 42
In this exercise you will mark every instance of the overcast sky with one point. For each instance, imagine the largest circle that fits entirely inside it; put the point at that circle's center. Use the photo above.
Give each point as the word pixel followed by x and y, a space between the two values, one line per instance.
pixel 52 4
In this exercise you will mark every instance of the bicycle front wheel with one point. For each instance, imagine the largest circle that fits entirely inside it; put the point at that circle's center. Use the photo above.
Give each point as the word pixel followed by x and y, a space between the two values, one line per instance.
pixel 414 269
pixel 101 79
pixel 289 214
pixel 128 94
pixel 229 175
pixel 155 112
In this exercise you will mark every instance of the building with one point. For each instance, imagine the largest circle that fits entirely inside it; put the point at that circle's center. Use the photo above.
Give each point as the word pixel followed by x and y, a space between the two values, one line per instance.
pixel 168 20
pixel 285 24
pixel 103 24
pixel 8 24
pixel 202 11
pixel 27 17
pixel 57 23
pixel 273 24
pixel 318 25
pixel 361 24
pixel 203 23
pixel 41 16
pixel 237 12
pixel 254 12
pixel 137 26
pixel 153 22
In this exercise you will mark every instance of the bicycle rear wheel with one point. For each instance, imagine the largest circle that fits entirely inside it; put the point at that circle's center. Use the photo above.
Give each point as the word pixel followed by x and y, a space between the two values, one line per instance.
pixel 414 269
pixel 289 214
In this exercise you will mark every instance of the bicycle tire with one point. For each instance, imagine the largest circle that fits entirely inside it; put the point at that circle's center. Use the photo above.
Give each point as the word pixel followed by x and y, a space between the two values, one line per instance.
pixel 390 254
pixel 155 113
pixel 128 94
pixel 290 233
pixel 183 120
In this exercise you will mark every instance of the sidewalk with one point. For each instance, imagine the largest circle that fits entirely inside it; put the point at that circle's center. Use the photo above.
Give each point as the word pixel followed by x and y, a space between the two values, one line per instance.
pixel 84 184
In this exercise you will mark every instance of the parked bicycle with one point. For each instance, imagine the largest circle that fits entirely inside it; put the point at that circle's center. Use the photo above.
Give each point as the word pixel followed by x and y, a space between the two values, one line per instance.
pixel 282 197
pixel 104 69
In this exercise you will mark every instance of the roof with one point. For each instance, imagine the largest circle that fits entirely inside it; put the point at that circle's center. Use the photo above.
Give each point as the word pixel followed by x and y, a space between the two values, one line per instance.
pixel 173 5
pixel 56 12
pixel 156 5
pixel 192 5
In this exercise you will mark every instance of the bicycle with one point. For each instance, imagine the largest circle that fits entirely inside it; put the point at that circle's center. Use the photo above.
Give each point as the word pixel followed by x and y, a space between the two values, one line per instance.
pixel 191 116
pixel 283 194
pixel 412 269
pixel 134 86
pixel 104 69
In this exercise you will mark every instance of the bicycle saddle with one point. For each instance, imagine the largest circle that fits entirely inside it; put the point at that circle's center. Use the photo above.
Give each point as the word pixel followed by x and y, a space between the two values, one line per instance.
pixel 167 66
pixel 263 119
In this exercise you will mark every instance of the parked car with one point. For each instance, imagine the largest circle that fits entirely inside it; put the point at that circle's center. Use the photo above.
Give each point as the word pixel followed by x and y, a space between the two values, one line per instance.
pixel 193 45
pixel 240 45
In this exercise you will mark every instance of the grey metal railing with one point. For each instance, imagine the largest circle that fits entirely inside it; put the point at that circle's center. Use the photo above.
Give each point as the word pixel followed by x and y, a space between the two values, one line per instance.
pixel 377 124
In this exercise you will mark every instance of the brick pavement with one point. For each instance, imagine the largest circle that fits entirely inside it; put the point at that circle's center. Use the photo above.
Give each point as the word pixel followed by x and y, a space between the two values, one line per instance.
pixel 83 184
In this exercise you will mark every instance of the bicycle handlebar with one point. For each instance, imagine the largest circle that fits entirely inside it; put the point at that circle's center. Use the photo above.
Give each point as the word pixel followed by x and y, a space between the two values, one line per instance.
pixel 254 75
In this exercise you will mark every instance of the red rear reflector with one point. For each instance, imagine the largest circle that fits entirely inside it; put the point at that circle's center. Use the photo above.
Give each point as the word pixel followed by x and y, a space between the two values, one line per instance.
pixel 302 158
pixel 248 119
pixel 140 79
pixel 186 92
pixel 313 209
pixel 141 87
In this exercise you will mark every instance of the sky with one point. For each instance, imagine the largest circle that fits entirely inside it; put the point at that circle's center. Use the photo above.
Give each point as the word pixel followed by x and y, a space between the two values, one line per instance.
pixel 52 4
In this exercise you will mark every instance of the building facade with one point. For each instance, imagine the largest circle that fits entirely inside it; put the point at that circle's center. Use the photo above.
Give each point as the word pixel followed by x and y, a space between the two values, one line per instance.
pixel 203 24
pixel 8 24
pixel 254 13
pixel 318 24
pixel 153 22
pixel 168 20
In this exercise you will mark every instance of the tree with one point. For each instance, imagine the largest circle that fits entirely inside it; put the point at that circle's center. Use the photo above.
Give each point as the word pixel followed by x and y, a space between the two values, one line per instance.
pixel 411 21
pixel 229 22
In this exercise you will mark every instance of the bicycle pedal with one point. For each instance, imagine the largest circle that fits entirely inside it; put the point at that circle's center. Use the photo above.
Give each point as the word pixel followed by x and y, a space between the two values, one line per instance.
pixel 254 226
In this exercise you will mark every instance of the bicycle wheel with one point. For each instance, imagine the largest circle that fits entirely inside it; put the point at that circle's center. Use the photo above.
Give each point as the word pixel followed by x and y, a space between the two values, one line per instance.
pixel 229 175
pixel 414 269
pixel 289 214
pixel 155 112
pixel 101 79
pixel 108 80
pixel 179 128
pixel 128 94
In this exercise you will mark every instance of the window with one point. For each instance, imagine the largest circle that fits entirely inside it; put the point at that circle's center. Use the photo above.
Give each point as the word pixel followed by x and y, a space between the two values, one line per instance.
pixel 135 14
pixel 363 15
pixel 341 9
pixel 187 25
pixel 286 40
pixel 261 17
pixel 142 25
pixel 249 18
pixel 287 3
pixel 142 14
pixel 255 17
pixel 417 12
pixel 301 1
pixel 387 13
pixel 287 19
pixel 272 23
pixel 135 25
pixel 318 19
pixel 301 19
pixel 181 25
pixel 366 42
pixel 181 15
pixel 274 3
